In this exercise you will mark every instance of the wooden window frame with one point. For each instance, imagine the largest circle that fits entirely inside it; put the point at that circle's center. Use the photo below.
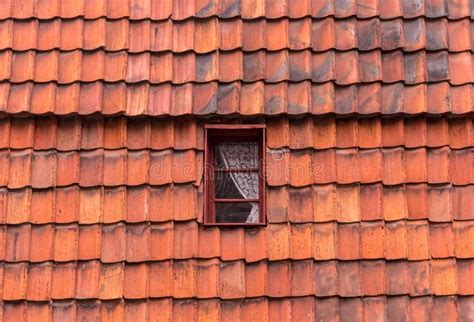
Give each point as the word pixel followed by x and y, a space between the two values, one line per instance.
pixel 215 133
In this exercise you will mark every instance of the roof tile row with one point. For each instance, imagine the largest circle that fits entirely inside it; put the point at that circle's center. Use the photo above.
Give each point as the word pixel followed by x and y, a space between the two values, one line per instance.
pixel 342 203
pixel 403 308
pixel 392 166
pixel 343 68
pixel 246 9
pixel 71 133
pixel 203 36
pixel 232 280
pixel 42 169
pixel 68 134
pixel 246 99
pixel 412 240
pixel 100 205
pixel 329 132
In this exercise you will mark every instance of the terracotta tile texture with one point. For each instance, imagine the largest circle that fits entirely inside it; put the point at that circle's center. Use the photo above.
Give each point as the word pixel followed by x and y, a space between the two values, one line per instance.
pixel 370 159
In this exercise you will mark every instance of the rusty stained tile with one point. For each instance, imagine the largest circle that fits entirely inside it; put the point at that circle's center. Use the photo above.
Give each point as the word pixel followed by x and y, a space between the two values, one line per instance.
pixel 207 278
pixel 41 243
pixel 66 239
pixel 160 279
pixel 39 282
pixel 372 240
pixel 19 250
pixel 15 277
pixel 111 281
pixel 278 241
pixel 184 279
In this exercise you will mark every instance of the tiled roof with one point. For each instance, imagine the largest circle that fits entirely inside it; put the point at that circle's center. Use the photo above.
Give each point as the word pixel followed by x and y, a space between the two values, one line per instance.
pixel 208 56
pixel 370 159
pixel 372 216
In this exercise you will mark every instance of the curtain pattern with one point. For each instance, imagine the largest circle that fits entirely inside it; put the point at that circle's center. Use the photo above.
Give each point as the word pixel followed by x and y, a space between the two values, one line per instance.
pixel 243 155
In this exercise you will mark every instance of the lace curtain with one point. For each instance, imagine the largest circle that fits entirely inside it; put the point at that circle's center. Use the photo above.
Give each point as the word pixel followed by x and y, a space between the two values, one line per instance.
pixel 243 156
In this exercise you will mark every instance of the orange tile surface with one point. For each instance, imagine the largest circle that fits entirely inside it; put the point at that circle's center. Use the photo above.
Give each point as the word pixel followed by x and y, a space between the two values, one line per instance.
pixel 370 159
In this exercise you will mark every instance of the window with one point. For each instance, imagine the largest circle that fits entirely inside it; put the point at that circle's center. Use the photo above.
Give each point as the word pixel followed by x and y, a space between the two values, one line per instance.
pixel 234 175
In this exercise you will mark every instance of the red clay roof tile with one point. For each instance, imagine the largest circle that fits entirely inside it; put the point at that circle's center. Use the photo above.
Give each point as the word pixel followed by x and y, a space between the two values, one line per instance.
pixel 279 271
pixel 373 277
pixel 135 282
pixel 301 241
pixel 348 241
pixel 61 273
pixel 397 277
pixel 20 250
pixel 207 278
pixel 90 210
pixel 444 308
pixel 396 240
pixel 349 277
pixel 15 281
pixel 160 279
pixel 255 245
pixel 184 279
pixel 278 241
pixel 232 244
pixel 463 236
pixel 66 242
pixel 41 243
pixel 39 282
pixel 417 201
pixel 324 203
pixel 372 240
pixel 113 244
pixel 67 205
pixel 111 281
pixel 443 277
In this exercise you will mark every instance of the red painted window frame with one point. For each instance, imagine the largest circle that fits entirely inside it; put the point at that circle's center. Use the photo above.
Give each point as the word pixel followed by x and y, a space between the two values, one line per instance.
pixel 231 132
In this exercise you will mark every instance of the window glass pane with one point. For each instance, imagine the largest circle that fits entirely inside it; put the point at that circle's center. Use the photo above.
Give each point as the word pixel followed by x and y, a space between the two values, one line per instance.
pixel 236 185
pixel 237 212
pixel 237 155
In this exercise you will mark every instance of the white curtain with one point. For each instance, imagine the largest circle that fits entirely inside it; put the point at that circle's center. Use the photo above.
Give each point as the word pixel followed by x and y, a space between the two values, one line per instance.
pixel 243 156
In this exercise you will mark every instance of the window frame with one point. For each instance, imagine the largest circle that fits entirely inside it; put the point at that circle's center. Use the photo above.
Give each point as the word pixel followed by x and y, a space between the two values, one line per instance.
pixel 215 133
